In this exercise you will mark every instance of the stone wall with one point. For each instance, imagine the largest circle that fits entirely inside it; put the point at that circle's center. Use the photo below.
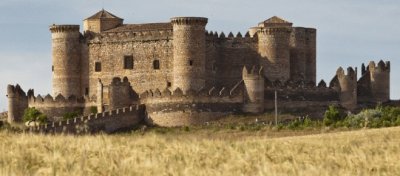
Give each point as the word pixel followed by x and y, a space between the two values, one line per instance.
pixel 55 108
pixel 109 122
pixel 227 55
pixel 109 49
pixel 175 108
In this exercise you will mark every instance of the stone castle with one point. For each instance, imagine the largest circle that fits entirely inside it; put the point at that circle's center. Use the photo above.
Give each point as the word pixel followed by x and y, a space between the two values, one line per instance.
pixel 178 73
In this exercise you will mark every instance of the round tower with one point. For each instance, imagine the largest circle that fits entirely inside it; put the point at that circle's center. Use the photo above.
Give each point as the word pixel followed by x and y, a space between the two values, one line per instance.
pixel 254 90
pixel 273 47
pixel 66 60
pixel 380 81
pixel 17 103
pixel 348 88
pixel 189 49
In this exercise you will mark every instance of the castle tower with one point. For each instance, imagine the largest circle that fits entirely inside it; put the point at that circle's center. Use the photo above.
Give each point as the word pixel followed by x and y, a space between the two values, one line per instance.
pixel 66 56
pixel 254 90
pixel 380 81
pixel 348 87
pixel 311 54
pixel 303 54
pixel 17 103
pixel 189 48
pixel 273 47
pixel 101 21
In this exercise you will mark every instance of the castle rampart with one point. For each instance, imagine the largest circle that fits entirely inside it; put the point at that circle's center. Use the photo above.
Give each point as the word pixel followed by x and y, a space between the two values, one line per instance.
pixel 109 121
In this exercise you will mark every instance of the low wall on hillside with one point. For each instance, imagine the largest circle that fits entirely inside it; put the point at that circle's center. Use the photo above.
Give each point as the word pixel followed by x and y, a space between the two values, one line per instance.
pixel 109 122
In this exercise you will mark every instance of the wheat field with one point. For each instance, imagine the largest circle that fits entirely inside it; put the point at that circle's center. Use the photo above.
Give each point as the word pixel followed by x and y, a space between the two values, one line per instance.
pixel 362 152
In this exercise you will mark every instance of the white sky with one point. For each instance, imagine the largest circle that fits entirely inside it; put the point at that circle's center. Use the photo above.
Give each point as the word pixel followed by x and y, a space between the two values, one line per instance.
pixel 349 32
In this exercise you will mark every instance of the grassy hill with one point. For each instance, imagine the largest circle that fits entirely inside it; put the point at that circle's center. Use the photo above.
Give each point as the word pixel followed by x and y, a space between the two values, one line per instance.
pixel 197 152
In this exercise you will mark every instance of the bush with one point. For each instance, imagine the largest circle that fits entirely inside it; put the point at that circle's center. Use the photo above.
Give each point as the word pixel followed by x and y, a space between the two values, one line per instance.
pixel 70 115
pixel 93 110
pixel 32 114
pixel 331 116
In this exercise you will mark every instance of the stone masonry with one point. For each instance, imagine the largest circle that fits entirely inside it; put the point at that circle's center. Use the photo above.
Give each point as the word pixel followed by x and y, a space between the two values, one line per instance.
pixel 180 73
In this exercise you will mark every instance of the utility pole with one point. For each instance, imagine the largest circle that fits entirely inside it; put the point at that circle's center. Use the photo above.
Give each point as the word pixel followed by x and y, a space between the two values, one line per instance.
pixel 276 108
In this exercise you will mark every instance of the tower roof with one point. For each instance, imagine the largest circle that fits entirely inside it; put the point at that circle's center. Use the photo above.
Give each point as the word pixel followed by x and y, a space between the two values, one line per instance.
pixel 102 14
pixel 275 22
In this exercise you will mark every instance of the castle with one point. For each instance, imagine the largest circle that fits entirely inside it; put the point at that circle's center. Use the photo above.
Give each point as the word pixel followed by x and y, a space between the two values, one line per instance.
pixel 178 73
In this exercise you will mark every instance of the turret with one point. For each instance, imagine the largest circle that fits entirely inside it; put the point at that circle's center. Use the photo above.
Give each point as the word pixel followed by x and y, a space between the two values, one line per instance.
pixel 101 21
pixel 380 81
pixel 189 52
pixel 254 90
pixel 273 47
pixel 347 87
pixel 66 56
pixel 17 103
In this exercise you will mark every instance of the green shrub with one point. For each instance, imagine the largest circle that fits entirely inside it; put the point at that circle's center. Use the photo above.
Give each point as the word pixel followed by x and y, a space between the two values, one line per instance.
pixel 93 110
pixel 32 114
pixel 70 115
pixel 331 116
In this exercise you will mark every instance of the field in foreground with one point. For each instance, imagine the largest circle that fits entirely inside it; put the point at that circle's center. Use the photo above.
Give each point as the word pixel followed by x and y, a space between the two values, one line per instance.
pixel 362 152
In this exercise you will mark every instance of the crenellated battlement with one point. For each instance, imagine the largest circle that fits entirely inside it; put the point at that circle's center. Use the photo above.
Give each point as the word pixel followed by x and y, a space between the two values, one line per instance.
pixel 64 28
pixel 380 67
pixel 351 73
pixel 15 91
pixel 254 72
pixel 191 94
pixel 49 100
pixel 189 21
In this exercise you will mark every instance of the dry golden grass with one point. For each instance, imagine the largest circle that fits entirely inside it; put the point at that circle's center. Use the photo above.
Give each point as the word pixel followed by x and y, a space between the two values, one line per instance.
pixel 363 152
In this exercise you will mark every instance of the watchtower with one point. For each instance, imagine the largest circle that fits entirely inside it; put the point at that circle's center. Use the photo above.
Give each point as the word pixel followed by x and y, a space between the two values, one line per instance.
pixel 380 81
pixel 348 87
pixel 66 54
pixel 189 49
pixel 273 47
pixel 254 90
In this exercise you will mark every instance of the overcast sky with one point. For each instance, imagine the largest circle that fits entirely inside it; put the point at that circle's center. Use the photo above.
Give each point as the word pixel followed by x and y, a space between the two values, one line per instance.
pixel 349 32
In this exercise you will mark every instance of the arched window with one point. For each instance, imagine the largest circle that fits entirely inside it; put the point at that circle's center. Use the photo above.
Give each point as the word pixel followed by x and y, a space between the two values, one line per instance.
pixel 156 64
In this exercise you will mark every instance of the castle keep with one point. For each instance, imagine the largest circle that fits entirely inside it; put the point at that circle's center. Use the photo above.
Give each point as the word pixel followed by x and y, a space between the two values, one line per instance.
pixel 178 73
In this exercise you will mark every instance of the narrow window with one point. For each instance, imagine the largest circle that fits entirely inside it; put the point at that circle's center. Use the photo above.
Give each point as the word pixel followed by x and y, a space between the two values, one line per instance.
pixel 128 62
pixel 52 68
pixel 97 66
pixel 169 84
pixel 191 62
pixel 156 64
pixel 86 91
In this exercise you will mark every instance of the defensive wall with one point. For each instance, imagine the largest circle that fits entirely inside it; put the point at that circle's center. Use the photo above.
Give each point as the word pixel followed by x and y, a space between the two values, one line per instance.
pixel 192 107
pixel 108 121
